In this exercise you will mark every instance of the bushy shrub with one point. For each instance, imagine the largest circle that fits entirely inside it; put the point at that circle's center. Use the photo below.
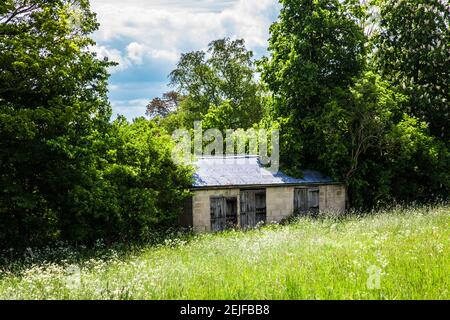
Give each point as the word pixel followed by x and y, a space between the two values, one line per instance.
pixel 135 187
pixel 66 171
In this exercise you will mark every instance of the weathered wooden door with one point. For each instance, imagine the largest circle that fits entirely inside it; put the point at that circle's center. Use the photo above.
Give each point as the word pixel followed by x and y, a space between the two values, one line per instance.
pixel 253 207
pixel 231 213
pixel 301 201
pixel 223 213
pixel 218 213
pixel 260 206
pixel 313 200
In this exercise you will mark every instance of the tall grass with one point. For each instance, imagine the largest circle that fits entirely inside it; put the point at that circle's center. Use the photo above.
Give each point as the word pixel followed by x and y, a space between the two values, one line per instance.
pixel 396 254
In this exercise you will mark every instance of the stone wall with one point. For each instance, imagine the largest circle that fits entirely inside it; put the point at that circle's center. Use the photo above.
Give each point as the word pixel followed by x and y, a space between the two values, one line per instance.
pixel 279 203
pixel 332 198
pixel 201 206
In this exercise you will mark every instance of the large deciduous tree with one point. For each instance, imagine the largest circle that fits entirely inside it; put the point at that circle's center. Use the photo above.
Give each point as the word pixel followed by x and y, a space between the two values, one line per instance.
pixel 413 51
pixel 66 172
pixel 225 73
pixel 52 94
pixel 317 48
pixel 339 114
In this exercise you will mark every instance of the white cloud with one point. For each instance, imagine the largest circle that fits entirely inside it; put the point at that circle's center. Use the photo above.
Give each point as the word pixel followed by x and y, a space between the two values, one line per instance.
pixel 163 55
pixel 113 55
pixel 146 38
pixel 162 30
pixel 135 52
pixel 129 108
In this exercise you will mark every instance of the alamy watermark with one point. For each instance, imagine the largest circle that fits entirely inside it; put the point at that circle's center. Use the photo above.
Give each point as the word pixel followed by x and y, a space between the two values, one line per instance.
pixel 73 278
pixel 374 277
pixel 75 16
pixel 191 144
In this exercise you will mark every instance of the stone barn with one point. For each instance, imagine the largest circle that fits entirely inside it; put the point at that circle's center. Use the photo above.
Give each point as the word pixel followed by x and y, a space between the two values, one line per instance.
pixel 237 191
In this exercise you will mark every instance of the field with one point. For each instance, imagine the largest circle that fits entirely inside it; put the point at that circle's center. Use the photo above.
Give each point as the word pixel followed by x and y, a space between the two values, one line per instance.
pixel 396 254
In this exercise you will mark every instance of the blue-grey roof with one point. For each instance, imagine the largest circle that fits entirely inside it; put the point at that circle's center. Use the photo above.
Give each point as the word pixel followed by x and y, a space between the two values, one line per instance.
pixel 218 171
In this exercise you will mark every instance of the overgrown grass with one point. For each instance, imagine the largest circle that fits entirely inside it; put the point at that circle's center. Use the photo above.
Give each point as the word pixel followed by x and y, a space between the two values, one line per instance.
pixel 395 254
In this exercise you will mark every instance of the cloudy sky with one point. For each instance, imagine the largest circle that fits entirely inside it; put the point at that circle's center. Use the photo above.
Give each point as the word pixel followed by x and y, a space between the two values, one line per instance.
pixel 146 37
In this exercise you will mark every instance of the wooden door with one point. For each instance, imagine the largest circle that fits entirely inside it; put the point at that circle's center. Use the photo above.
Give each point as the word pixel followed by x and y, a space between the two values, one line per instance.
pixel 260 206
pixel 218 214
pixel 232 219
pixel 313 200
pixel 223 213
pixel 253 208
pixel 301 201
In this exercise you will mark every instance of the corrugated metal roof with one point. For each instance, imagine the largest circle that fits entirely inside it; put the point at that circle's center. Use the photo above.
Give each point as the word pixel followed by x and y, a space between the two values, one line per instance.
pixel 218 171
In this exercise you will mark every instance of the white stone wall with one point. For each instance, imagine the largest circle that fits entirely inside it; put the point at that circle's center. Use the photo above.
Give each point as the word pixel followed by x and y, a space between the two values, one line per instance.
pixel 201 209
pixel 332 198
pixel 279 203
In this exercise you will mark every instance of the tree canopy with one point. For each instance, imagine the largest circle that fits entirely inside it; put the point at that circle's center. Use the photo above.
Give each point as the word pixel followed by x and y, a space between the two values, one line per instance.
pixel 316 49
pixel 358 90
pixel 368 108
pixel 209 80
pixel 66 172
pixel 412 51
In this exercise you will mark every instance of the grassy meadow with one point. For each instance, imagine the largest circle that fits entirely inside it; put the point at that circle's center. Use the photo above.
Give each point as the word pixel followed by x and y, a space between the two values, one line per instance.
pixel 395 254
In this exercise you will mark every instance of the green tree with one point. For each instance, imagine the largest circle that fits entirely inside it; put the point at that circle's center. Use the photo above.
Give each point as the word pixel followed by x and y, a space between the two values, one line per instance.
pixel 317 48
pixel 131 187
pixel 358 120
pixel 355 124
pixel 52 95
pixel 338 116
pixel 205 80
pixel 66 172
pixel 412 50
pixel 417 163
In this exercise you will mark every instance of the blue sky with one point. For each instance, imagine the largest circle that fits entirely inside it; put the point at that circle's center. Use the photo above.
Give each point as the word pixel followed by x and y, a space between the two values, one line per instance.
pixel 147 37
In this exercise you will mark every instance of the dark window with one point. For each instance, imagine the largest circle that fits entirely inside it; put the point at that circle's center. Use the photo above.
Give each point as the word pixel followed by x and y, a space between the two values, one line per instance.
pixel 306 200
pixel 231 212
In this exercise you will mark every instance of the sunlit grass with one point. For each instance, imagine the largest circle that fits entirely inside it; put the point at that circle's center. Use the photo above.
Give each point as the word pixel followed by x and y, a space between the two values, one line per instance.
pixel 399 254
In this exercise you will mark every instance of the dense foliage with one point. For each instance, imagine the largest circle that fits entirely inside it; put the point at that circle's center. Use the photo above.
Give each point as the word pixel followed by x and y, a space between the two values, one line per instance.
pixel 316 51
pixel 359 92
pixel 413 52
pixel 370 110
pixel 130 188
pixel 66 172
pixel 218 84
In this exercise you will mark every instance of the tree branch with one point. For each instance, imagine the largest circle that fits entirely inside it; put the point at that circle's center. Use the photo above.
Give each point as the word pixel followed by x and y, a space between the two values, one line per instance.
pixel 20 10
